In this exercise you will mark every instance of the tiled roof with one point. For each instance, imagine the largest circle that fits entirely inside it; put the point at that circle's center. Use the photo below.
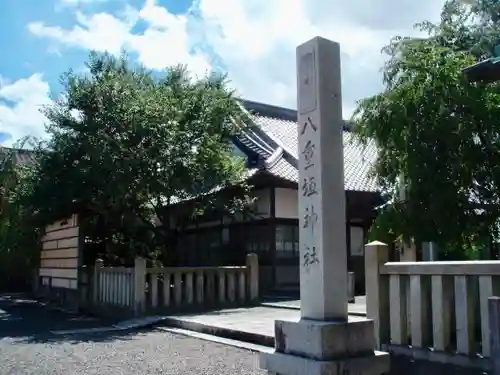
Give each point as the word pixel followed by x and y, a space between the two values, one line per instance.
pixel 23 157
pixel 285 170
pixel 280 125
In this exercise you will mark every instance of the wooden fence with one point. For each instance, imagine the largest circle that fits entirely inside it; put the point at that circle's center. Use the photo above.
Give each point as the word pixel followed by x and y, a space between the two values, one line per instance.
pixel 435 311
pixel 140 290
pixel 114 286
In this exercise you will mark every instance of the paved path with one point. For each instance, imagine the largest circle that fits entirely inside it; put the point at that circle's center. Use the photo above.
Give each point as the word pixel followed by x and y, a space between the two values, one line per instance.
pixel 256 320
pixel 28 348
pixel 250 323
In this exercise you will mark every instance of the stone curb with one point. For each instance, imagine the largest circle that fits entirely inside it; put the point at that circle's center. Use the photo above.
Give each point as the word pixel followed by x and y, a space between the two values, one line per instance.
pixel 278 305
pixel 227 333
pixel 255 348
pixel 126 325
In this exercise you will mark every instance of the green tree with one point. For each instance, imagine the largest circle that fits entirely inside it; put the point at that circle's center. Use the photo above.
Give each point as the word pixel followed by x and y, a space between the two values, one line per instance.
pixel 18 234
pixel 125 143
pixel 438 131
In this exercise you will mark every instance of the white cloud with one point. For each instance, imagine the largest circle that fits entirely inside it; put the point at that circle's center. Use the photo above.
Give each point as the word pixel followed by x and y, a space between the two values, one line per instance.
pixel 107 32
pixel 254 39
pixel 165 41
pixel 257 41
pixel 20 104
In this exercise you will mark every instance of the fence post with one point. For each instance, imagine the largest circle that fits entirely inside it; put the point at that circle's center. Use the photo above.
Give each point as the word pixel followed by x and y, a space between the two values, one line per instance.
pixel 252 262
pixel 139 285
pixel 494 321
pixel 95 281
pixel 377 290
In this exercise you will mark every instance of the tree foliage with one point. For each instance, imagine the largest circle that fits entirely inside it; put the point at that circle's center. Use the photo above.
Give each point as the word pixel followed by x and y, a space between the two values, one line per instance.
pixel 18 233
pixel 438 130
pixel 124 144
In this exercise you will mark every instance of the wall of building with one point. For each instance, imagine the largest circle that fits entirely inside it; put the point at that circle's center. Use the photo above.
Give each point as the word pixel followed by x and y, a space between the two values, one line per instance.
pixel 287 203
pixel 275 240
pixel 60 260
pixel 261 208
pixel 287 208
pixel 262 205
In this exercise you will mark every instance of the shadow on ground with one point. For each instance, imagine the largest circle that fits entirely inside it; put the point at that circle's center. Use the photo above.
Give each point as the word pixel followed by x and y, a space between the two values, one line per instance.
pixel 75 338
pixel 29 320
pixel 402 365
pixel 24 320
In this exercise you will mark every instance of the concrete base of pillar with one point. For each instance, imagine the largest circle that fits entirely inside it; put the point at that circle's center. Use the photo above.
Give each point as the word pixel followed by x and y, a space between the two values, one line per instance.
pixel 286 364
pixel 309 347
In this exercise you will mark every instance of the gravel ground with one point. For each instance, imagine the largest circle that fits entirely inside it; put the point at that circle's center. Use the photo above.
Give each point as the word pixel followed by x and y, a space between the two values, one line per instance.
pixel 138 353
pixel 27 347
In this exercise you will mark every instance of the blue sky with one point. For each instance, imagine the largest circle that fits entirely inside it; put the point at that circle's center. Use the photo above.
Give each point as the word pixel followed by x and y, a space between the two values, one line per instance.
pixel 29 54
pixel 252 40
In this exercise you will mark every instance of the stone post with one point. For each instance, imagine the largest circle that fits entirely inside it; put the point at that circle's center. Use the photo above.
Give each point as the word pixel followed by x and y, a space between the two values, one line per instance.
pixel 95 281
pixel 377 288
pixel 139 285
pixel 494 320
pixel 325 340
pixel 252 263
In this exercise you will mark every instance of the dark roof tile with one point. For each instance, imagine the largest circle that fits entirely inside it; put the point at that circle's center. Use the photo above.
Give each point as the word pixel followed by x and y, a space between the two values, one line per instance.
pixel 23 157
pixel 280 125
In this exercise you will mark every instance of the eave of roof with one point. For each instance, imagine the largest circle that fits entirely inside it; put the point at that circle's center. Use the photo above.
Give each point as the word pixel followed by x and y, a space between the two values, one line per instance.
pixel 277 127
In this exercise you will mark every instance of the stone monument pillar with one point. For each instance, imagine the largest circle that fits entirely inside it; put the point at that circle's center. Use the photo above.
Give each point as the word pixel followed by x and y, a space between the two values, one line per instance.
pixel 325 340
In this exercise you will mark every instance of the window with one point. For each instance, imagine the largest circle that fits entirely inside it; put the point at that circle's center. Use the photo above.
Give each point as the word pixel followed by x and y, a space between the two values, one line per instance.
pixel 225 236
pixel 257 239
pixel 257 247
pixel 191 242
pixel 214 239
pixel 287 241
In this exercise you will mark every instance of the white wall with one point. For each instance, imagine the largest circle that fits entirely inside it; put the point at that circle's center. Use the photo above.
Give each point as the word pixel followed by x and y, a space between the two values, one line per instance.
pixel 287 203
pixel 357 241
pixel 59 255
pixel 263 202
